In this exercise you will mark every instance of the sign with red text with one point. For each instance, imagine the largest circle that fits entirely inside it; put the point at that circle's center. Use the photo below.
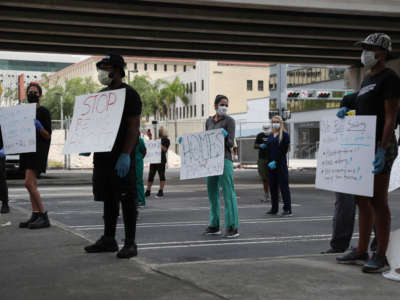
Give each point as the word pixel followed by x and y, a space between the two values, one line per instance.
pixel 95 122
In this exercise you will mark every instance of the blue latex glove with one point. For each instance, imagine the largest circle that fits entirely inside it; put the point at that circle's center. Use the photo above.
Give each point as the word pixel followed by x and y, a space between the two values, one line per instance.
pixel 342 112
pixel 2 153
pixel 180 140
pixel 379 162
pixel 272 165
pixel 224 132
pixel 38 125
pixel 123 165
pixel 84 154
pixel 263 146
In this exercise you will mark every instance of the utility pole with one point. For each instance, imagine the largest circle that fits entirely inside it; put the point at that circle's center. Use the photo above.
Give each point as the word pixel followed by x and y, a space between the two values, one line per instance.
pixel 281 75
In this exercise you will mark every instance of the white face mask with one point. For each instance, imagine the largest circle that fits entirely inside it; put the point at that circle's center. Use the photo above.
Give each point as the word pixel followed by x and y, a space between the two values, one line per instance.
pixel 104 77
pixel 222 110
pixel 368 59
pixel 276 126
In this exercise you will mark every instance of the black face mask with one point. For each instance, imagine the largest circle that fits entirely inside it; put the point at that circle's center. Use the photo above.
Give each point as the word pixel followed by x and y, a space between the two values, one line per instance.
pixel 33 98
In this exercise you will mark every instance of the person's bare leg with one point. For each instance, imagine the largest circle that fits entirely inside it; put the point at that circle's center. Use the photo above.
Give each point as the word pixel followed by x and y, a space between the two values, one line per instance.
pixel 381 212
pixel 149 185
pixel 162 185
pixel 365 222
pixel 31 186
pixel 266 187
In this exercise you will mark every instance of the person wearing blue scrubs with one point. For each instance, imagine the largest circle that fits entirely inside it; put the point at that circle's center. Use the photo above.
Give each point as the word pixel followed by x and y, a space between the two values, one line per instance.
pixel 277 148
pixel 222 121
pixel 139 156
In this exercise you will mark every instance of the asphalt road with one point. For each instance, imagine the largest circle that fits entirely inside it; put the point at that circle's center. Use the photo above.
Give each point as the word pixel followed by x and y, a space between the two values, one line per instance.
pixel 170 229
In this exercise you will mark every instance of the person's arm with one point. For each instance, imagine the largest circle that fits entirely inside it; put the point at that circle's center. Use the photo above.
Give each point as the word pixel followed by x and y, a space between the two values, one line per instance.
pixel 391 109
pixel 230 139
pixel 132 133
pixel 284 146
pixel 257 143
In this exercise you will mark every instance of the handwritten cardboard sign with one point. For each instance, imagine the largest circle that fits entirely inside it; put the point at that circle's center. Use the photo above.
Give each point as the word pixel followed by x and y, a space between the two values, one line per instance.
pixel 202 154
pixel 153 152
pixel 95 122
pixel 18 128
pixel 345 155
pixel 395 175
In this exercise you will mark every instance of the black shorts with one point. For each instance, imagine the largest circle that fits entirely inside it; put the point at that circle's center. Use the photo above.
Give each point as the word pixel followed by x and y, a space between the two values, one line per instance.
pixel 107 184
pixel 160 168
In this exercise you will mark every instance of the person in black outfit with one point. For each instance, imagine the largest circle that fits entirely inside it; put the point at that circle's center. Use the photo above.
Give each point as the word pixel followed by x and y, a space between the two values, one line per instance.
pixel 114 175
pixel 379 96
pixel 160 168
pixel 261 145
pixel 35 163
pixel 5 209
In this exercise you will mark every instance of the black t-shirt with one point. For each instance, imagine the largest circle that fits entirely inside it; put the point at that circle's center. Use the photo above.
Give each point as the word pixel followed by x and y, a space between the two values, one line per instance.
pixel 164 142
pixel 132 107
pixel 375 90
pixel 43 116
pixel 262 138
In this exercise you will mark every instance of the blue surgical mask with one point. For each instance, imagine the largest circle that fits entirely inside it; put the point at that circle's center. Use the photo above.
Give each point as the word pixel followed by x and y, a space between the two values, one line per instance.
pixel 368 59
pixel 276 126
pixel 222 110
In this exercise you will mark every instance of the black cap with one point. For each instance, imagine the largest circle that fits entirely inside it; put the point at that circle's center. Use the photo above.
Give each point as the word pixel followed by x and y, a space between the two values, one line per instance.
pixel 114 60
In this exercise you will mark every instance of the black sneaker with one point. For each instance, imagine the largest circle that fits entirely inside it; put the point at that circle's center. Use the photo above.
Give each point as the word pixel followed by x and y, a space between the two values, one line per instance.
pixel 212 231
pixel 272 213
pixel 147 194
pixel 33 218
pixel 231 233
pixel 286 214
pixel 41 222
pixel 5 209
pixel 128 250
pixel 160 194
pixel 332 251
pixel 353 258
pixel 377 264
pixel 104 244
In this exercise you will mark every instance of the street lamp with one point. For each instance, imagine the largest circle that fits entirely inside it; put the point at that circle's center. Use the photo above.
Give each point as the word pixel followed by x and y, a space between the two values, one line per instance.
pixel 61 110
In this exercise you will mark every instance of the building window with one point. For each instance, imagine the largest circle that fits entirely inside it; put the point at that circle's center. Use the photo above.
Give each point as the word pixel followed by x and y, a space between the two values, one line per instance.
pixel 135 66
pixel 202 110
pixel 191 88
pixel 165 68
pixel 195 111
pixel 176 113
pixel 184 112
pixel 260 85
pixel 175 68
pixel 184 68
pixel 202 85
pixel 145 67
pixel 191 111
pixel 249 85
pixel 194 86
pixel 155 67
pixel 180 112
pixel 194 67
pixel 187 88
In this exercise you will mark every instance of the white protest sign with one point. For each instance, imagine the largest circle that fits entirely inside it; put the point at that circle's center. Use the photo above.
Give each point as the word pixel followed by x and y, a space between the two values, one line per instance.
pixel 18 128
pixel 202 154
pixel 95 123
pixel 395 175
pixel 345 155
pixel 153 152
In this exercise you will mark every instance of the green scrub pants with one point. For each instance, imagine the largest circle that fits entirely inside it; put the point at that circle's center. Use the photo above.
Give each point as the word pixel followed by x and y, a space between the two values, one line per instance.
pixel 139 181
pixel 228 190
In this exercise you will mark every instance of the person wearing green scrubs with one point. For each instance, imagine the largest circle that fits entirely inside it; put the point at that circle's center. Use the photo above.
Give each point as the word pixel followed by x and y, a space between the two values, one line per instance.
pixel 140 154
pixel 222 121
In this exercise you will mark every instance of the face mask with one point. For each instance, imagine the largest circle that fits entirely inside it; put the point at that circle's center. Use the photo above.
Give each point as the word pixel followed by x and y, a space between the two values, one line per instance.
pixel 33 98
pixel 222 110
pixel 265 130
pixel 368 59
pixel 276 126
pixel 104 77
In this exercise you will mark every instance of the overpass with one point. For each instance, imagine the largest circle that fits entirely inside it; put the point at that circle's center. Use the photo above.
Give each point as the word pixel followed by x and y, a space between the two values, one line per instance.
pixel 287 31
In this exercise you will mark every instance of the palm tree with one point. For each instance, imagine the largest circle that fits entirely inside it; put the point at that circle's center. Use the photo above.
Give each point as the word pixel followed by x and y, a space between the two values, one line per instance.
pixel 169 95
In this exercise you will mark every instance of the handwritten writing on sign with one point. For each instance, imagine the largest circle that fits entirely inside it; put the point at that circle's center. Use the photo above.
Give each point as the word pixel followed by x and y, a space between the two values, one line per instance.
pixel 95 122
pixel 202 154
pixel 395 174
pixel 345 155
pixel 18 128
pixel 153 152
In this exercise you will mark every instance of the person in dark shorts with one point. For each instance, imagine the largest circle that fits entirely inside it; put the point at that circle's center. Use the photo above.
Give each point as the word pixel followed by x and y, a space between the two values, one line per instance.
pixel 262 162
pixel 378 96
pixel 114 175
pixel 35 163
pixel 5 209
pixel 160 168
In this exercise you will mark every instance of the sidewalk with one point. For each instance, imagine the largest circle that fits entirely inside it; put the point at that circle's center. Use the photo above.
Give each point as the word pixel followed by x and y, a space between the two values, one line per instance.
pixel 51 264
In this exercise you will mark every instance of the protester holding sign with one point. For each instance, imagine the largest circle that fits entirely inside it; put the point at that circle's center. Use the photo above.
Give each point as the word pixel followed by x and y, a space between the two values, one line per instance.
pixel 35 163
pixel 3 182
pixel 222 121
pixel 114 176
pixel 277 148
pixel 379 96
pixel 139 156
pixel 160 167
